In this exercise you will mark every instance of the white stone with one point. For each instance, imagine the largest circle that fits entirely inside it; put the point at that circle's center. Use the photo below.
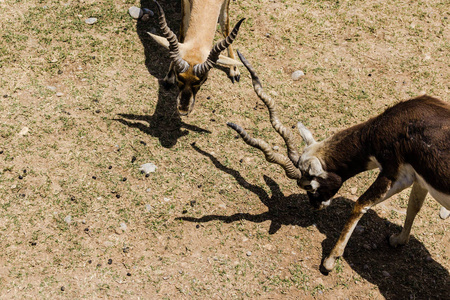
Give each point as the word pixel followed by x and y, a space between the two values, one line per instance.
pixel 148 168
pixel 297 75
pixel 135 12
pixel 52 88
pixel 68 219
pixel 123 226
pixel 90 21
pixel 444 213
pixel 24 131
pixel 59 94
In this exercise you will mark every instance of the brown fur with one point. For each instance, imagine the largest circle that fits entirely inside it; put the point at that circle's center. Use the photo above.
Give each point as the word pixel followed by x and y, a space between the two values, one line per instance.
pixel 415 132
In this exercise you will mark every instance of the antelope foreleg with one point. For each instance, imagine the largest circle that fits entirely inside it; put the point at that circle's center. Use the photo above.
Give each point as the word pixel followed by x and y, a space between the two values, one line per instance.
pixel 224 22
pixel 374 195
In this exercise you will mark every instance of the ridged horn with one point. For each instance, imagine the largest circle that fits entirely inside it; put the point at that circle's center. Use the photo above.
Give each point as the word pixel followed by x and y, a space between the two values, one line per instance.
pixel 203 68
pixel 283 131
pixel 290 169
pixel 180 64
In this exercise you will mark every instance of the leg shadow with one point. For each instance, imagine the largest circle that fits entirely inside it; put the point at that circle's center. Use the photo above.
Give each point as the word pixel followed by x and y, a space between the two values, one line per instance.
pixel 407 272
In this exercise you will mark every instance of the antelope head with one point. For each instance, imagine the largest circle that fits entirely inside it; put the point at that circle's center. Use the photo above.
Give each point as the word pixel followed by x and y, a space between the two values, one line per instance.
pixel 192 60
pixel 308 169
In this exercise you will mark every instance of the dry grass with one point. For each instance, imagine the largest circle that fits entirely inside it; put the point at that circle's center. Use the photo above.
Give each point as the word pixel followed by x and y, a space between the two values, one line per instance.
pixel 215 220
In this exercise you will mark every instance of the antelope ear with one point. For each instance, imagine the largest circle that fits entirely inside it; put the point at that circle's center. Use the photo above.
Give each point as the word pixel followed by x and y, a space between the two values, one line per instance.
pixel 306 134
pixel 226 61
pixel 315 168
pixel 160 40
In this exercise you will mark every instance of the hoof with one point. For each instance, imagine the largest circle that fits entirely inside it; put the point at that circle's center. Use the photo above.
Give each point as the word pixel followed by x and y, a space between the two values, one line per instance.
pixel 324 271
pixel 395 241
pixel 327 265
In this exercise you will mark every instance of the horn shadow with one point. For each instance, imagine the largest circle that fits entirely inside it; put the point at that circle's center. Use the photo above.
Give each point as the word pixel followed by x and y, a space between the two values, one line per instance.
pixel 399 273
pixel 165 123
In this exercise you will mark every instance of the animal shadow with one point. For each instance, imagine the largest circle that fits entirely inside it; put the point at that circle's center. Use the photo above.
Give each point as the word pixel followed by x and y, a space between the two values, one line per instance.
pixel 165 123
pixel 407 272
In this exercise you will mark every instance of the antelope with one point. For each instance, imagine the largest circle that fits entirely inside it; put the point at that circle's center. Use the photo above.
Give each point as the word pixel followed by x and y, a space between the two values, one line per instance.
pixel 409 143
pixel 192 56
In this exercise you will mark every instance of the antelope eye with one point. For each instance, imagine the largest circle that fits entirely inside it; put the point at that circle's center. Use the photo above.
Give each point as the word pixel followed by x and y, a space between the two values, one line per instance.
pixel 308 187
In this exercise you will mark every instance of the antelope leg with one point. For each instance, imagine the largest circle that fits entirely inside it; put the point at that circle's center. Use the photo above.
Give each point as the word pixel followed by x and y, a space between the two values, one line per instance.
pixel 379 191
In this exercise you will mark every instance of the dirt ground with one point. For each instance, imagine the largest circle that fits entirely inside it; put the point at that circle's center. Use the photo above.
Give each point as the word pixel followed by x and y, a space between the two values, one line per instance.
pixel 82 107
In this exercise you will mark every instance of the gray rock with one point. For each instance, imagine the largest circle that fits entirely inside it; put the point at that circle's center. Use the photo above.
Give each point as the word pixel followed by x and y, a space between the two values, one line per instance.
pixel 135 12
pixel 90 21
pixel 386 274
pixel 52 88
pixel 148 168
pixel 249 253
pixel 297 75
pixel 59 94
pixel 68 219
pixel 444 213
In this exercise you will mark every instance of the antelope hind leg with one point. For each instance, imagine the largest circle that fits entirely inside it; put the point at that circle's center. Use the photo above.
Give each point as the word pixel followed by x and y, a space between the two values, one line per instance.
pixel 377 192
pixel 224 22
pixel 416 199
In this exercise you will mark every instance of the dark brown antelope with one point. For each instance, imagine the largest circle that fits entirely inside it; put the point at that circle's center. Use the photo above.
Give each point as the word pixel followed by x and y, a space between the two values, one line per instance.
pixel 409 143
pixel 192 56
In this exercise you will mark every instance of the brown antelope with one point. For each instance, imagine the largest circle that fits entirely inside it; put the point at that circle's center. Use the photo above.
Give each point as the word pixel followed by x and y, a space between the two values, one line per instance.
pixel 409 143
pixel 192 56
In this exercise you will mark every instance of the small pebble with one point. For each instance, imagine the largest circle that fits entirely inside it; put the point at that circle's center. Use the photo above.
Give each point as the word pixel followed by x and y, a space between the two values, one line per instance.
pixel 94 177
pixel 59 94
pixel 128 274
pixel 386 274
pixel 148 168
pixel 110 167
pixel 33 243
pixel 52 88
pixel 143 143
pixel 297 75
pixel 86 229
pixel 124 179
pixel 68 219
pixel 90 21
pixel 90 261
pixel 62 289
pixel 20 177
pixel 133 159
pixel 444 213
pixel 117 196
pixel 110 261
pixel 428 259
pixel 135 12
pixel 126 249
pixel 148 207
pixel 24 131
pixel 123 226
pixel 197 226
pixel 249 253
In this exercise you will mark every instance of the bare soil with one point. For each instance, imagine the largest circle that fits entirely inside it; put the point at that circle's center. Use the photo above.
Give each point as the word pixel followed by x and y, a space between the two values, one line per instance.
pixel 83 106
